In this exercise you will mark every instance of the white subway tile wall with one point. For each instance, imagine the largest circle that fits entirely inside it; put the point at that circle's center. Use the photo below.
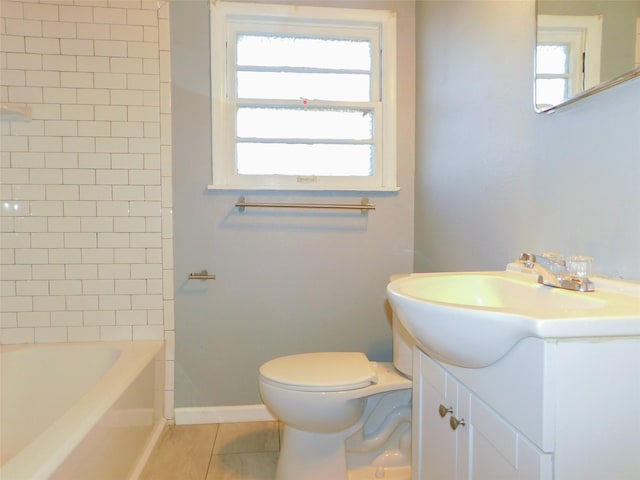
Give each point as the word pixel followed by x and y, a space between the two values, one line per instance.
pixel 86 243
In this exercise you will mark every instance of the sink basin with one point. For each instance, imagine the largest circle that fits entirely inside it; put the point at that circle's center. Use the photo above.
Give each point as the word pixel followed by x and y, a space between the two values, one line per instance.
pixel 472 319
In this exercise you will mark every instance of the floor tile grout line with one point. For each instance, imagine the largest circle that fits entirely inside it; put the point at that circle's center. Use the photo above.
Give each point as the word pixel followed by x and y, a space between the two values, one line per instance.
pixel 211 454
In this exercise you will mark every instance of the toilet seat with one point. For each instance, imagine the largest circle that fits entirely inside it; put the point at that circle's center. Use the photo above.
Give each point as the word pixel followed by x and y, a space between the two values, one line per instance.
pixel 320 371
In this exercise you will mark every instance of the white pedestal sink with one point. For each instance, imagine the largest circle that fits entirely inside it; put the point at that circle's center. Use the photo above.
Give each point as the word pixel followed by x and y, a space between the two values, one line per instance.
pixel 472 319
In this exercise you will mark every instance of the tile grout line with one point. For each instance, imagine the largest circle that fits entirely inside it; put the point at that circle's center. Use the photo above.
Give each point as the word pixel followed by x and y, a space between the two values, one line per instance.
pixel 211 454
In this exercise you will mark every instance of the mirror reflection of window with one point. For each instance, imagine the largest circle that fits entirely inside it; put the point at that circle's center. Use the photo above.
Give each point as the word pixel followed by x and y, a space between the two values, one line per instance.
pixel 552 74
pixel 567 57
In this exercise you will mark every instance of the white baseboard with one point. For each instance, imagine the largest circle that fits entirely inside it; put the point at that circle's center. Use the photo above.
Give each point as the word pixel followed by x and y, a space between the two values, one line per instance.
pixel 230 414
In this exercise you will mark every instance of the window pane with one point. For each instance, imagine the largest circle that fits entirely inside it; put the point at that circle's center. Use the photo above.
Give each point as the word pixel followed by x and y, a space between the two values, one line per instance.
pixel 552 59
pixel 306 160
pixel 551 91
pixel 293 86
pixel 304 123
pixel 275 51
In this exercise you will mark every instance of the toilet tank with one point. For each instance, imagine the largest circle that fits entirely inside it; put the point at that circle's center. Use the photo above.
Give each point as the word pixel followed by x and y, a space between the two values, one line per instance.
pixel 402 341
pixel 402 347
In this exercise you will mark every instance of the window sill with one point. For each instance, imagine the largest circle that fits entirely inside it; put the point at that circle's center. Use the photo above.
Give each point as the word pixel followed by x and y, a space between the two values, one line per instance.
pixel 275 188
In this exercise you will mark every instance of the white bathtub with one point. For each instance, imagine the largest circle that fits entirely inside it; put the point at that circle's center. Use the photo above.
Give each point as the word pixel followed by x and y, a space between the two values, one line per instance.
pixel 85 411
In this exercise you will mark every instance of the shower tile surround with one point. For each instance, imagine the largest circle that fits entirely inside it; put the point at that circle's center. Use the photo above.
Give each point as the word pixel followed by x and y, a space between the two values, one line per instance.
pixel 86 242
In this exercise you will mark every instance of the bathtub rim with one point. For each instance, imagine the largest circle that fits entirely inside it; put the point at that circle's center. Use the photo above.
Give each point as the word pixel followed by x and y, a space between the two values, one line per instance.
pixel 37 460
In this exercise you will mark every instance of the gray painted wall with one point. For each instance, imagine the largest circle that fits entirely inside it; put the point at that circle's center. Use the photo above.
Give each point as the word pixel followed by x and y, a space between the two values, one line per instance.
pixel 492 177
pixel 288 281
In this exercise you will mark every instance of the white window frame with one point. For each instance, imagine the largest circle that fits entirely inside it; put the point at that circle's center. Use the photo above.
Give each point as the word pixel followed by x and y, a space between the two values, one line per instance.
pixel 227 18
pixel 638 42
pixel 583 34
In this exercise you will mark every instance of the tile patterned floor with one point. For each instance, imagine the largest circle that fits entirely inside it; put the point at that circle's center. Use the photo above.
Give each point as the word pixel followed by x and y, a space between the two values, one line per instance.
pixel 228 451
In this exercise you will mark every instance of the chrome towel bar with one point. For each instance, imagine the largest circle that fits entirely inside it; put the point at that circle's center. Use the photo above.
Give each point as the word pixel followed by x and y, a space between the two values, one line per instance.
pixel 364 205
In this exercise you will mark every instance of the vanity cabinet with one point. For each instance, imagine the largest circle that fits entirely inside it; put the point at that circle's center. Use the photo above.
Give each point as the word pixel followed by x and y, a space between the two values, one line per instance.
pixel 561 410
pixel 458 437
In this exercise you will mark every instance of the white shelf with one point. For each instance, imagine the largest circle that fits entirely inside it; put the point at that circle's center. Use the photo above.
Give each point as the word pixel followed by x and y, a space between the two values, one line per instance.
pixel 14 113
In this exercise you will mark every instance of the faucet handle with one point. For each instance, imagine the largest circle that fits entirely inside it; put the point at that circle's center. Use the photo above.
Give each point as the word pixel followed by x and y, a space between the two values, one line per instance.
pixel 556 263
pixel 554 257
pixel 580 266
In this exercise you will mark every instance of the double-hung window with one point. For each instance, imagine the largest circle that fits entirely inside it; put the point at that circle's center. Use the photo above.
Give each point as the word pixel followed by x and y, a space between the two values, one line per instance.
pixel 303 98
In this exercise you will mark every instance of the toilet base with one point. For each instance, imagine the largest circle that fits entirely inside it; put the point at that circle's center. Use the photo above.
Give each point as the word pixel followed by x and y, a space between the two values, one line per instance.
pixel 312 456
pixel 376 473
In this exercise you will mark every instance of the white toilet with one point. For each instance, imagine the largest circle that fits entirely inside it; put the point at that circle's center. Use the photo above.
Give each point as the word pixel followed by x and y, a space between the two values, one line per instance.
pixel 321 398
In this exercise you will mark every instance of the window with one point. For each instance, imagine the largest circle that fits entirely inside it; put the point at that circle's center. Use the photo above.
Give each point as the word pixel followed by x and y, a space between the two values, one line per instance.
pixel 567 57
pixel 302 97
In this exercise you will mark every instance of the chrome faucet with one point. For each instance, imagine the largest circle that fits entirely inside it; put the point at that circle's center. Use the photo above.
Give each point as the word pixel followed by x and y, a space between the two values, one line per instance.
pixel 554 273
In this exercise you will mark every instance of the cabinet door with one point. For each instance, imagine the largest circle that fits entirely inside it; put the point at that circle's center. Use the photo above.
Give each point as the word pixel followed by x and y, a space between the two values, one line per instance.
pixel 499 452
pixel 437 447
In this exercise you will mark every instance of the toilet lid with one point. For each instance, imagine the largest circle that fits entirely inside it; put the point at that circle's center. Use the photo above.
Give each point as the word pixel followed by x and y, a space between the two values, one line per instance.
pixel 323 371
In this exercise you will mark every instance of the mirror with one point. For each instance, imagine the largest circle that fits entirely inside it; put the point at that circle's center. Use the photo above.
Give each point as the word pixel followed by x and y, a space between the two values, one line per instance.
pixel 584 47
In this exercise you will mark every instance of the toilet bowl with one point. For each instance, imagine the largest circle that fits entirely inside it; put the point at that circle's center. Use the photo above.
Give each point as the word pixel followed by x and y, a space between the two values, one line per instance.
pixel 320 398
